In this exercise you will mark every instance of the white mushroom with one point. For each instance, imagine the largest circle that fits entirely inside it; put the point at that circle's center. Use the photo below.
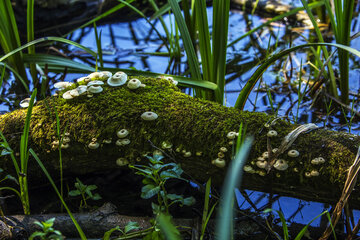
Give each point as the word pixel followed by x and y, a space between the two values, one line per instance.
pixel 219 162
pixel 265 154
pixel 25 102
pixel 307 174
pixel 321 160
pixel 118 79
pixel 293 153
pixel 314 173
pixel 95 83
pixel 134 83
pixel 221 155
pixel 187 154
pixel 66 95
pixel 231 135
pixel 122 142
pixel 248 169
pixel 198 153
pixel 122 162
pixel 272 133
pixel 281 165
pixel 122 133
pixel 93 145
pixel 82 89
pixel 223 149
pixel 261 164
pixel 83 79
pixel 95 89
pixel 105 75
pixel 62 85
pixel 166 145
pixel 107 141
pixel 149 116
pixel 74 92
pixel 65 145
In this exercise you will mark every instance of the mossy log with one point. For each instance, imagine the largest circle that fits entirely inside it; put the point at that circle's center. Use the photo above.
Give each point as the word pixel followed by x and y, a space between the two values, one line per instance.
pixel 197 129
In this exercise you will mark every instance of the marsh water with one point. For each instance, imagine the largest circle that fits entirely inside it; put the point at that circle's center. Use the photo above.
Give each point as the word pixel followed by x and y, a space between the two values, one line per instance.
pixel 130 44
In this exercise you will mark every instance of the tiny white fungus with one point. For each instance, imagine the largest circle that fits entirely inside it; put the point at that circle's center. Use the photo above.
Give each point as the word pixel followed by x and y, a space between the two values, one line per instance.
pixel 272 133
pixel 134 83
pixel 223 149
pixel 293 153
pixel 187 154
pixel 122 133
pixel 118 79
pixel 149 116
pixel 231 135
pixel 219 162
pixel 261 164
pixel 93 145
pixel 95 89
pixel 221 155
pixel 314 173
pixel 122 162
pixel 281 165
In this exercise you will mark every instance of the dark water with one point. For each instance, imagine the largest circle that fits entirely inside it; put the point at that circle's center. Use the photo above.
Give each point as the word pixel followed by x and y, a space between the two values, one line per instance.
pixel 124 44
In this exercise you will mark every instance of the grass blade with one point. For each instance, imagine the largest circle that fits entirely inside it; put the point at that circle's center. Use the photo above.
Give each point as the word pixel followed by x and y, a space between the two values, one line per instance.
pixel 189 48
pixel 46 39
pixel 240 102
pixel 98 45
pixel 232 180
pixel 81 233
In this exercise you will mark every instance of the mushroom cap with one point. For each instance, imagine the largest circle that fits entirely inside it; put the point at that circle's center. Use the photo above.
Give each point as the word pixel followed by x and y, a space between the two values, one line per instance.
pixel 122 162
pixel 261 164
pixel 99 75
pixel 248 169
pixel 62 85
pixel 67 95
pixel 166 145
pixel 134 83
pixel 118 79
pixel 122 142
pixel 219 162
pixel 122 133
pixel 74 92
pixel 272 133
pixel 105 75
pixel 95 83
pixel 221 155
pixel 293 153
pixel 281 165
pixel 231 135
pixel 314 173
pixel 82 89
pixel 93 145
pixel 187 154
pixel 25 102
pixel 95 89
pixel 149 116
pixel 83 79
pixel 223 149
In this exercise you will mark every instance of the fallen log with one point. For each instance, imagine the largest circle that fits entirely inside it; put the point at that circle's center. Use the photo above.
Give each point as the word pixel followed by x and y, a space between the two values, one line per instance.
pixel 194 132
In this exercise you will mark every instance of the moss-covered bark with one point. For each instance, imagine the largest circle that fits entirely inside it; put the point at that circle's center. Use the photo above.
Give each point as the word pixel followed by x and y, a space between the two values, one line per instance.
pixel 190 125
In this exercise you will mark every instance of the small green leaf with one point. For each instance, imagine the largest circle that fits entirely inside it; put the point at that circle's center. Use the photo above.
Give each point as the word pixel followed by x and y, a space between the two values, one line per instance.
pixel 74 193
pixel 148 191
pixel 131 226
pixel 108 233
pixel 174 196
pixel 5 152
pixel 96 197
pixel 189 201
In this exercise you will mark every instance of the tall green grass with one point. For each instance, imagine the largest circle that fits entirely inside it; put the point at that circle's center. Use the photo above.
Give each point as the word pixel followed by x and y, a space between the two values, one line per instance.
pixel 22 166
pixel 10 40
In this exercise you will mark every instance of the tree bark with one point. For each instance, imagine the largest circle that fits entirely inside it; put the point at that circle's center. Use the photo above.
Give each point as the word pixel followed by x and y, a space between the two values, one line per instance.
pixel 195 128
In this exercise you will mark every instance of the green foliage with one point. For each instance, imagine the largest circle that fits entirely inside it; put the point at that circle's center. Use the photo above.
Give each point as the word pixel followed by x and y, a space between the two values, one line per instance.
pixel 21 170
pixel 304 229
pixel 78 228
pixel 130 226
pixel 48 232
pixel 232 180
pixel 155 176
pixel 84 191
